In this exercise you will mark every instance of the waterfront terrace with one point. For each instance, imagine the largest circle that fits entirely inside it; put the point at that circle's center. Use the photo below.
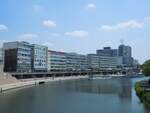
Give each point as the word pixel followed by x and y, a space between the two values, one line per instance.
pixel 67 73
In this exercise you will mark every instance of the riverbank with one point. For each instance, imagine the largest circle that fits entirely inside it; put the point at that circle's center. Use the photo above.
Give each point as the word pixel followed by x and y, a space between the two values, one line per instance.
pixel 35 81
pixel 143 92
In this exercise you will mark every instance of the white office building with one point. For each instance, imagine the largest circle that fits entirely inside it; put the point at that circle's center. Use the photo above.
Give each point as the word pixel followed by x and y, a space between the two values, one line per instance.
pixel 109 63
pixel 77 61
pixel 93 61
pixel 1 55
pixel 39 58
pixel 56 61
pixel 1 60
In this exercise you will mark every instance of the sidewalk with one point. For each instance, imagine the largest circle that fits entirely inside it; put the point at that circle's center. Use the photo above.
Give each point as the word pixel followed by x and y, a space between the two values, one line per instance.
pixel 35 81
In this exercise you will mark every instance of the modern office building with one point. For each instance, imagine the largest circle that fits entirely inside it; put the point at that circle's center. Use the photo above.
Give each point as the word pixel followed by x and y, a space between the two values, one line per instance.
pixel 108 52
pixel 17 56
pixel 83 61
pixel 39 58
pixel 109 63
pixel 56 61
pixel 1 60
pixel 119 61
pixel 26 57
pixel 114 52
pixel 1 55
pixel 93 61
pixel 104 62
pixel 76 61
pixel 126 53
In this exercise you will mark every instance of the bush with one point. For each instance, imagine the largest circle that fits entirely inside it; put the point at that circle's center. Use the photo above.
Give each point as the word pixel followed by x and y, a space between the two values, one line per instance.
pixel 146 68
pixel 146 97
pixel 139 89
pixel 143 94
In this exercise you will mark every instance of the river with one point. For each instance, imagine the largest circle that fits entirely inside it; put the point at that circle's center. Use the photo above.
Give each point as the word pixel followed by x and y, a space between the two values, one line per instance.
pixel 115 95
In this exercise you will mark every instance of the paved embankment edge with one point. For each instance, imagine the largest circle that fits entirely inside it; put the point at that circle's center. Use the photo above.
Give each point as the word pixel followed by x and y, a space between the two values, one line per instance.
pixel 32 82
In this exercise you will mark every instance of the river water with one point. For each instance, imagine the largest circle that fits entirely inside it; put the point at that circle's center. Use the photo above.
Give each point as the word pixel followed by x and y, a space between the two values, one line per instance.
pixel 75 96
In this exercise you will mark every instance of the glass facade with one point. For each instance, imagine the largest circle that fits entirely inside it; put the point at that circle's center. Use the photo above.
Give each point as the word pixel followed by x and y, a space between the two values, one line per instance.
pixel 66 61
pixel 126 53
pixel 108 62
pixel 1 55
pixel 107 51
pixel 77 61
pixel 39 57
pixel 93 61
pixel 23 57
pixel 56 61
pixel 103 62
pixel 17 57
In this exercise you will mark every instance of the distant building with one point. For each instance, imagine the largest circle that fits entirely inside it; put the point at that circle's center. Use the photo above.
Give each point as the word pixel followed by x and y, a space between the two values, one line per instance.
pixel 114 52
pixel 108 52
pixel 39 58
pixel 56 61
pixel 17 56
pixel 93 61
pixel 109 59
pixel 76 61
pixel 126 53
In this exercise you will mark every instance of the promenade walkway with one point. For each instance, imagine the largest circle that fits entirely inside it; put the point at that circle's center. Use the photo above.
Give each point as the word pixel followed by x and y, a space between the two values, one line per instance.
pixel 34 81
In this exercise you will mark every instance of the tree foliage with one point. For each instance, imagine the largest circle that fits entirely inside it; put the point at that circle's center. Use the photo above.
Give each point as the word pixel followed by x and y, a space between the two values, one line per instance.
pixel 146 68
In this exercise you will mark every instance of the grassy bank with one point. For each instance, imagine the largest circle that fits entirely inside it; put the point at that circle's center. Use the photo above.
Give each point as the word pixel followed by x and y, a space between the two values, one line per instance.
pixel 143 92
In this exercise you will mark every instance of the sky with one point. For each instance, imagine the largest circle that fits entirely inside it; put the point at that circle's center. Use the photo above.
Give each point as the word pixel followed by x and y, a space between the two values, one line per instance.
pixel 80 26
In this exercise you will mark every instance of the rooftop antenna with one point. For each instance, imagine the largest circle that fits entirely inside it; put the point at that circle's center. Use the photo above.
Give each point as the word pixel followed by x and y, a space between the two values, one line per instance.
pixel 122 41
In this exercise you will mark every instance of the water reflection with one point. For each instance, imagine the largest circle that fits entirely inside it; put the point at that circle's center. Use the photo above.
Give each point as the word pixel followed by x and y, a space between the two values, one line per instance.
pixel 76 96
pixel 122 87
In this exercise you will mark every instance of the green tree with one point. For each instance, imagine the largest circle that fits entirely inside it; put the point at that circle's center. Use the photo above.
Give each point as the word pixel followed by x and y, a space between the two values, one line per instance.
pixel 146 68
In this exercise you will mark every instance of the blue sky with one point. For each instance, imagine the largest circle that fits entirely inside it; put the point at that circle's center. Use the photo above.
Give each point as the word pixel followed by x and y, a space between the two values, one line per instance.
pixel 80 26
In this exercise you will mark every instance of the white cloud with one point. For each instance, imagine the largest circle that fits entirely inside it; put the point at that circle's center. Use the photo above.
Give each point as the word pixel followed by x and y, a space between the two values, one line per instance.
pixel 131 24
pixel 28 36
pixel 90 6
pixel 79 34
pixel 147 18
pixel 49 23
pixel 3 27
pixel 48 44
pixel 35 39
